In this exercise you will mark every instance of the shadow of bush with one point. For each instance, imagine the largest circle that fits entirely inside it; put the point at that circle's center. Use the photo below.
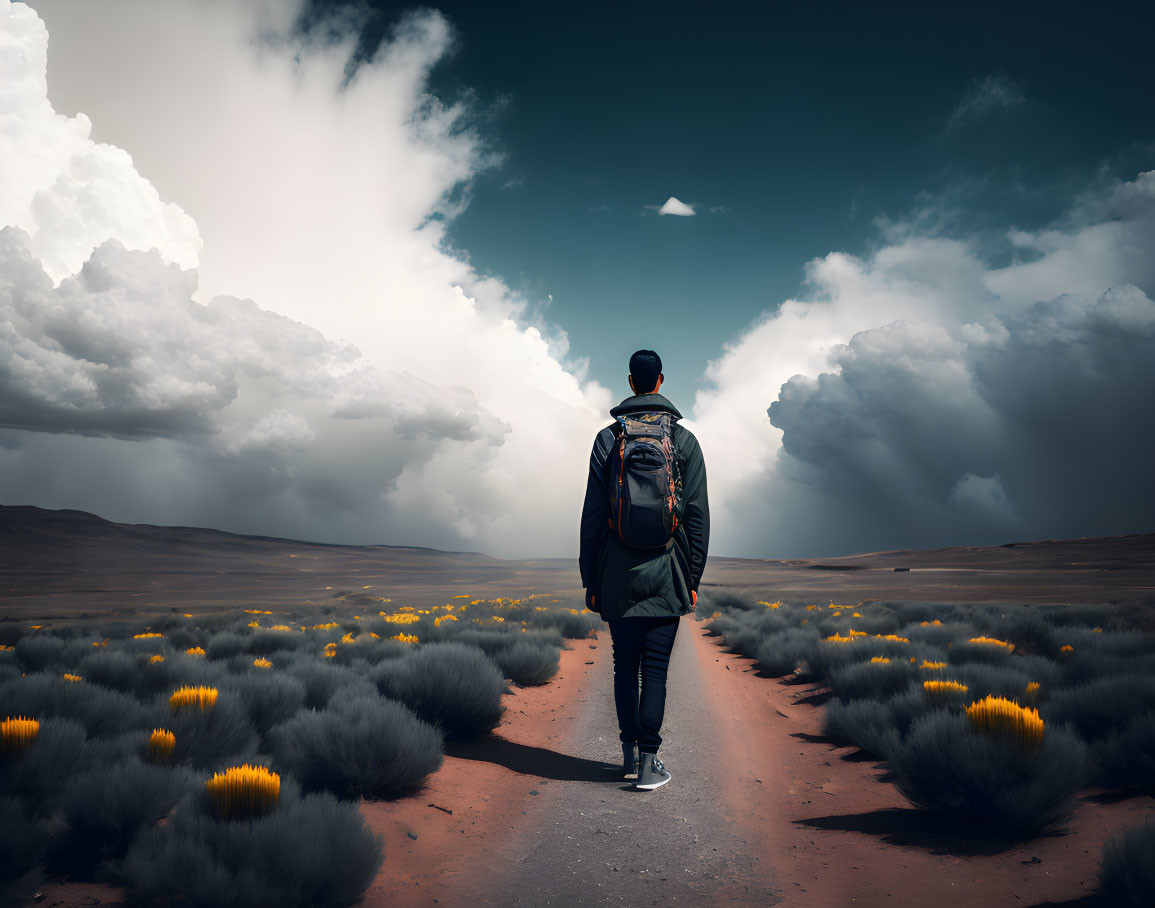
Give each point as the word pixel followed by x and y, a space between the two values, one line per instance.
pixel 1126 869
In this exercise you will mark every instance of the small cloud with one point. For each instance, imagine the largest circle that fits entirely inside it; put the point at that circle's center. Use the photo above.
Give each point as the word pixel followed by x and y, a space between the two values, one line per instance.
pixel 598 208
pixel 677 207
pixel 513 183
pixel 985 96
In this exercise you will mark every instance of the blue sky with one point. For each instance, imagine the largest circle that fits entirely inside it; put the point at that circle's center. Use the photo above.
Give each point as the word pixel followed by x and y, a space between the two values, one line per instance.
pixel 792 128
pixel 302 268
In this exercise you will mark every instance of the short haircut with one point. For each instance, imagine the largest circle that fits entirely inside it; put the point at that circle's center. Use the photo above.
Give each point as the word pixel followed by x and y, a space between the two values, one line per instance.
pixel 645 367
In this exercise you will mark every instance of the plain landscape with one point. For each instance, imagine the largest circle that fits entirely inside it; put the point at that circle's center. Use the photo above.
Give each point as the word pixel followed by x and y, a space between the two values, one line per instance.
pixel 198 718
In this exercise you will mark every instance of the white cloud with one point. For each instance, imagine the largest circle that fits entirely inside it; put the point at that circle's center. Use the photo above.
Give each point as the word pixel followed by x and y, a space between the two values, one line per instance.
pixel 898 375
pixel 985 96
pixel 676 207
pixel 392 396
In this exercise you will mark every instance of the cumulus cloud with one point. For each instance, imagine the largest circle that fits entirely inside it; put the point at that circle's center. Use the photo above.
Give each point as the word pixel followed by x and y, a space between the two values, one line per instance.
pixel 922 397
pixel 69 192
pixel 983 97
pixel 676 207
pixel 323 366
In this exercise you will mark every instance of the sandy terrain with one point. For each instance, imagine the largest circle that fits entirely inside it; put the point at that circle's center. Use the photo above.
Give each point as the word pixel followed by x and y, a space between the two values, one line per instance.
pixel 760 810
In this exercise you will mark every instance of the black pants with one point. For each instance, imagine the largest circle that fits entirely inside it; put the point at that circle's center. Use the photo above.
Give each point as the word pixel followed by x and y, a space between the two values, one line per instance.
pixel 642 644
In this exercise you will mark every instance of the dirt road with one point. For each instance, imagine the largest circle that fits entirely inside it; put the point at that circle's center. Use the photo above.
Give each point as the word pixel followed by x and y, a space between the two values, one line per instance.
pixel 759 812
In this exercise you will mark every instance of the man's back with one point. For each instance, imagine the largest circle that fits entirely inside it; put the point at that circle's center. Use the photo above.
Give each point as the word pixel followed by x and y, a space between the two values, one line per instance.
pixel 630 582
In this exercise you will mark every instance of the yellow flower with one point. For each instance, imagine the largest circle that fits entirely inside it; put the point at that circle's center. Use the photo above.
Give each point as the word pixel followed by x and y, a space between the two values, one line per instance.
pixel 855 615
pixel 201 697
pixel 405 638
pixel 330 650
pixel 244 791
pixel 195 651
pixel 837 638
pixel 932 665
pixel 1005 718
pixel 991 641
pixel 145 636
pixel 892 637
pixel 944 688
pixel 769 604
pixel 1066 648
pixel 262 663
pixel 935 623
pixel 157 658
pixel 881 659
pixel 70 677
pixel 437 621
pixel 17 733
pixel 160 745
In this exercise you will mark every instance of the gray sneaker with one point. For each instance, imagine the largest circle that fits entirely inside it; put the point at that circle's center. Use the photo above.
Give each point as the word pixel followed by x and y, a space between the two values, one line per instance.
pixel 629 760
pixel 652 773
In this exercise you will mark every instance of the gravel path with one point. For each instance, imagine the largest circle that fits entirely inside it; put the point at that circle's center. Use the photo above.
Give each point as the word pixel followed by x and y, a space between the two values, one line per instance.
pixel 596 840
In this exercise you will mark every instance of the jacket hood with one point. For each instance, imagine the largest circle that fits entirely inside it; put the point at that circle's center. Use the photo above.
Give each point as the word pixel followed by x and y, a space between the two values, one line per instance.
pixel 644 403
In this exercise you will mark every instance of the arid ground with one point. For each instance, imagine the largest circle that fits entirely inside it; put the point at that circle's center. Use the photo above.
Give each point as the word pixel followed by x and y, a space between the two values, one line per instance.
pixel 761 810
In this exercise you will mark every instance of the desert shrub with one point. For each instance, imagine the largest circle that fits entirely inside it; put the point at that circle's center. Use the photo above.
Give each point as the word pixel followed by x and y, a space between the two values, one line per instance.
pixel 991 680
pixel 782 653
pixel 266 642
pixel 994 652
pixel 268 862
pixel 1126 758
pixel 9 667
pixel 572 627
pixel 454 686
pixel 947 766
pixel 1031 632
pixel 269 698
pixel 104 809
pixel 939 635
pixel 182 638
pixel 872 680
pixel 528 663
pixel 370 650
pixel 42 770
pixel 40 652
pixel 206 737
pixel 225 646
pixel 1126 871
pixel 1100 707
pixel 867 724
pixel 24 837
pixel 99 710
pixel 710 599
pixel 110 668
pixel 364 746
pixel 322 679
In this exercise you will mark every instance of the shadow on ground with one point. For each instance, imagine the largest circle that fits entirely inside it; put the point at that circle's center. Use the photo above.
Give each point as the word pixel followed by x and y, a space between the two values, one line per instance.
pixel 540 762
pixel 917 829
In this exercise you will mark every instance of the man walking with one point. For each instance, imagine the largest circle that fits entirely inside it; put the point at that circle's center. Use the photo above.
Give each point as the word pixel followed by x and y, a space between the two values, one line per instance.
pixel 644 534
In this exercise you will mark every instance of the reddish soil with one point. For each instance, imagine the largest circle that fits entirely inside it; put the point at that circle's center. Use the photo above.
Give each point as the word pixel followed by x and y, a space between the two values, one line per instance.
pixel 838 836
pixel 433 855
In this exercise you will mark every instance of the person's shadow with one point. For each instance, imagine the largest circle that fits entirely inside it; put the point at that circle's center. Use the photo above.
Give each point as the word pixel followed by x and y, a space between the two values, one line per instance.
pixel 532 761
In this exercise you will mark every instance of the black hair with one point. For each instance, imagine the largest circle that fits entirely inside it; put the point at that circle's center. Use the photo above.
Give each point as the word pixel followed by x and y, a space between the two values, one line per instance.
pixel 645 367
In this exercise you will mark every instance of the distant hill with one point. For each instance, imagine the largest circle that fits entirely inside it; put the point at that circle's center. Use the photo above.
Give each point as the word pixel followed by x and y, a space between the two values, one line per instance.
pixel 72 562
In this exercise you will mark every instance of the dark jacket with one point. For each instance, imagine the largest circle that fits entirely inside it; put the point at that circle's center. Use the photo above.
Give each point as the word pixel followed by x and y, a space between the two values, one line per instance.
pixel 630 582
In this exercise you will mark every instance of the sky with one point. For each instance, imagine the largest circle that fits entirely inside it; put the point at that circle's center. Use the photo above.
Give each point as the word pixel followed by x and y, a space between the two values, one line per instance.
pixel 372 272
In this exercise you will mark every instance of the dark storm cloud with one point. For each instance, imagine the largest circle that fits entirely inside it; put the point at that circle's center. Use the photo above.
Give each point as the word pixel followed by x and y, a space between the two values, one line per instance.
pixel 1033 425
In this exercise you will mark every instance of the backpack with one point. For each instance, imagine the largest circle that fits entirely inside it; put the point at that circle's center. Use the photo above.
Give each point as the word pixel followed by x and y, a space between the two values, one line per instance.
pixel 645 484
